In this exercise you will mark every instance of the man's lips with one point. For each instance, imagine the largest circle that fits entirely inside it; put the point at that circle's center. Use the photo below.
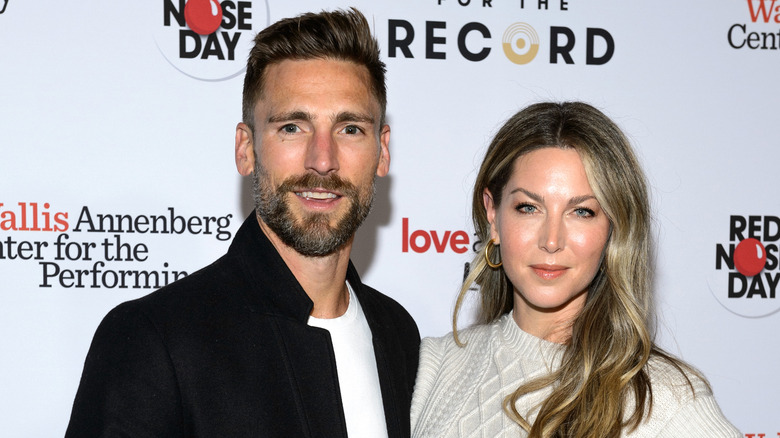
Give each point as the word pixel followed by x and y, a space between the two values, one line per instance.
pixel 317 195
pixel 549 272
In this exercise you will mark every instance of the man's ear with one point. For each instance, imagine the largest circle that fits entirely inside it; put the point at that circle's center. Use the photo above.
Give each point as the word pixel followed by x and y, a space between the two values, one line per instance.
pixel 245 150
pixel 490 211
pixel 384 151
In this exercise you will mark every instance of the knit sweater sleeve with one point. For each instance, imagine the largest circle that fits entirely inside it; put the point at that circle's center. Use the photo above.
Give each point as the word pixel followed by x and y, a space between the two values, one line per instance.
pixel 683 407
pixel 700 418
pixel 431 354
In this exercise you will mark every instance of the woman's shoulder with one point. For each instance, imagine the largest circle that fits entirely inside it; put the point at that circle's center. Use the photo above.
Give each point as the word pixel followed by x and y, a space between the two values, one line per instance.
pixel 469 338
pixel 682 404
pixel 437 353
pixel 448 375
pixel 669 376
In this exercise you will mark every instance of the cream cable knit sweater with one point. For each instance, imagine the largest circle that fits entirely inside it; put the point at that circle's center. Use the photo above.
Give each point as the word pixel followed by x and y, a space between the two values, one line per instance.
pixel 459 391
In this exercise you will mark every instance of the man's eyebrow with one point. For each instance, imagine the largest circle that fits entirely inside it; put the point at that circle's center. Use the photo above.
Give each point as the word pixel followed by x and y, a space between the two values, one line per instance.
pixel 291 115
pixel 348 116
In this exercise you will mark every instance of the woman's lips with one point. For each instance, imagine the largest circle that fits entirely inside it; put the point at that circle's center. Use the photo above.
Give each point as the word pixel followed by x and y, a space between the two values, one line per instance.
pixel 549 272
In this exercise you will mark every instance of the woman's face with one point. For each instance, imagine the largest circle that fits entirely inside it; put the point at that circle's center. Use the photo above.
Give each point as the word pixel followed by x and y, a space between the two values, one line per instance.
pixel 552 233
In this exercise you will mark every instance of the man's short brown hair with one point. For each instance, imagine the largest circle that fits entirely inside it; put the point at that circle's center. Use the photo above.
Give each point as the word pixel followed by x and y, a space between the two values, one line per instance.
pixel 341 35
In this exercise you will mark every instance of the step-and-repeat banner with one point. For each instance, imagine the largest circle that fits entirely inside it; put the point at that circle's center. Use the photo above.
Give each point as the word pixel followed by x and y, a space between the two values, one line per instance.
pixel 117 174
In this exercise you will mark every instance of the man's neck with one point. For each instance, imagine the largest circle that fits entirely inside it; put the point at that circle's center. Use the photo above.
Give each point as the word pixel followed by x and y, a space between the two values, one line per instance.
pixel 322 278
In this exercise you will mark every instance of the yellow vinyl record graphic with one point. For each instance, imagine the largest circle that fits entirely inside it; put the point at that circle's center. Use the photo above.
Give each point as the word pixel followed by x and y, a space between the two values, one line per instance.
pixel 521 43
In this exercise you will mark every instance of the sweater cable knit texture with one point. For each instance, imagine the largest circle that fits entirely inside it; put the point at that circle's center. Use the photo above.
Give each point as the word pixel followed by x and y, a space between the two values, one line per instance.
pixel 459 391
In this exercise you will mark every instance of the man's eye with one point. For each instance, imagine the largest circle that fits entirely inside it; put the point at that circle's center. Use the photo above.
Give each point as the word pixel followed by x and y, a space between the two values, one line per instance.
pixel 290 129
pixel 352 130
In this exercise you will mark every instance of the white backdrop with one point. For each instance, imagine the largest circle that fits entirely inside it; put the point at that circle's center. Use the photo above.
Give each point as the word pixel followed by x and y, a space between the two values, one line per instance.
pixel 103 112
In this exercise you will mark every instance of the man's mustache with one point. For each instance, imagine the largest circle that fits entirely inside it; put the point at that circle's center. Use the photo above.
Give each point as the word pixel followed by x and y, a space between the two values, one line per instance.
pixel 331 182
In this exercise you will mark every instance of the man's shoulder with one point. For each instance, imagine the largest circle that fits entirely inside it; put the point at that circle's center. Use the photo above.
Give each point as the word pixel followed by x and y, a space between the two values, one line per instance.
pixel 373 301
pixel 201 294
pixel 369 295
pixel 216 277
pixel 389 320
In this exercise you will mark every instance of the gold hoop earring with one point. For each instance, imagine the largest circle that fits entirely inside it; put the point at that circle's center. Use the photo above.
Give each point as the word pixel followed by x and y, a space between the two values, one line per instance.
pixel 491 244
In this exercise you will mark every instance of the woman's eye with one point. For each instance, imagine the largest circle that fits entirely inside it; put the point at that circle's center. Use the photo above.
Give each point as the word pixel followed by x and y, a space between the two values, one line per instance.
pixel 525 208
pixel 584 212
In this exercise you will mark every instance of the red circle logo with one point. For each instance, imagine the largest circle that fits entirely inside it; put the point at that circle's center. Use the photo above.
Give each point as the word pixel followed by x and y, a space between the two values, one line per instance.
pixel 203 16
pixel 749 257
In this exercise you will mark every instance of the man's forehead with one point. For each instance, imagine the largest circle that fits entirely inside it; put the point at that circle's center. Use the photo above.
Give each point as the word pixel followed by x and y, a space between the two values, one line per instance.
pixel 290 70
pixel 320 87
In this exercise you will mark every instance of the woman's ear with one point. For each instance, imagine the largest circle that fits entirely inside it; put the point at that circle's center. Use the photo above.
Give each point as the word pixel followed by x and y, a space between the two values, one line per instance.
pixel 490 211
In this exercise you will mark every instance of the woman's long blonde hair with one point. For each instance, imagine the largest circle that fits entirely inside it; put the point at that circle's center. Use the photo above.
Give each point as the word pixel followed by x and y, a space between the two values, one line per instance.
pixel 605 359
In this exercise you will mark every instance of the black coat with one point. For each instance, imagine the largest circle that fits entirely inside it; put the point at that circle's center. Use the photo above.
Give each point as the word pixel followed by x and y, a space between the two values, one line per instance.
pixel 227 352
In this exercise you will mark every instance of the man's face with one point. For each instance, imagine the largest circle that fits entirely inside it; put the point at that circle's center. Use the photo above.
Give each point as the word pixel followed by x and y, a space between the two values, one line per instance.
pixel 318 146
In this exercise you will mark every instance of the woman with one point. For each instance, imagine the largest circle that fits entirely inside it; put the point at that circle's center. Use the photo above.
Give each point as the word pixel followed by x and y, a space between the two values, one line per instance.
pixel 562 347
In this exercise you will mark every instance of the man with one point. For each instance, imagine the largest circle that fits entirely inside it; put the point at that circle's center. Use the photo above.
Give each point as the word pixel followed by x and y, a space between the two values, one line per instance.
pixel 278 337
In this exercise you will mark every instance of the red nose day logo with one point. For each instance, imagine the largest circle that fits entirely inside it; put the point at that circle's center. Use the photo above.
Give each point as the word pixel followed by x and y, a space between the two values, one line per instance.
pixel 747 268
pixel 209 40
pixel 749 257
pixel 203 16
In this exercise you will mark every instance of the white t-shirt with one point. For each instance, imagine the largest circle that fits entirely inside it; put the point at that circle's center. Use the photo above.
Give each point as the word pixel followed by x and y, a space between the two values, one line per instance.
pixel 356 367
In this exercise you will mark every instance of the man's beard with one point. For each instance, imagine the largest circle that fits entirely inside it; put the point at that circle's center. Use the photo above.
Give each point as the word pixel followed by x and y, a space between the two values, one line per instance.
pixel 312 234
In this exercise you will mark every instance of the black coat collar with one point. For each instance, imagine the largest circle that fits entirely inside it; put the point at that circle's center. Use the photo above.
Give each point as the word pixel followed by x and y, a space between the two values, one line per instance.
pixel 266 271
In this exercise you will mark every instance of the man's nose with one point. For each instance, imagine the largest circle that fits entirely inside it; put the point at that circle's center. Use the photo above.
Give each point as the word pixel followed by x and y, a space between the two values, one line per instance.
pixel 322 154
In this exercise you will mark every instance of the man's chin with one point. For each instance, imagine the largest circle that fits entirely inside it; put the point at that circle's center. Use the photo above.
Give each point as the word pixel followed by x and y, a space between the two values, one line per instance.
pixel 317 220
pixel 315 240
